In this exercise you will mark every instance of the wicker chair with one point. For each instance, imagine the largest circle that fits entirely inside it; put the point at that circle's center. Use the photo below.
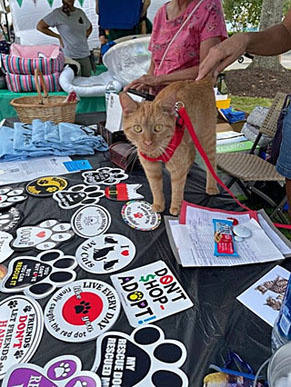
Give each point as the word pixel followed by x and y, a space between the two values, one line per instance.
pixel 248 168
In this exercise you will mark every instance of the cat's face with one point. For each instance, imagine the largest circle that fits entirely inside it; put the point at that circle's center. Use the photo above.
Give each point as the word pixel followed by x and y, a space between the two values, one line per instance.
pixel 148 125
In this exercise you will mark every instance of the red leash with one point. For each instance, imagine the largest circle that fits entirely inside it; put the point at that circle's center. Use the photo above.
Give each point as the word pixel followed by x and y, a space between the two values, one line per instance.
pixel 183 114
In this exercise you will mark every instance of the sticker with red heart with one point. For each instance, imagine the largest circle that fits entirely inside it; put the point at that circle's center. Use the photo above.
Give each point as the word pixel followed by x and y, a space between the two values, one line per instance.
pixel 45 236
pixel 105 253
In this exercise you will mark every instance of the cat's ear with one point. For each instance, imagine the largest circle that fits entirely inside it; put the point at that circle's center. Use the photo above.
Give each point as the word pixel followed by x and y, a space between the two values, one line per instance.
pixel 167 105
pixel 128 104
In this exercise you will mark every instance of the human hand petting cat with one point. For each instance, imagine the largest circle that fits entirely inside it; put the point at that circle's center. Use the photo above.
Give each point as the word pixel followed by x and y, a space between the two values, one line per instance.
pixel 144 83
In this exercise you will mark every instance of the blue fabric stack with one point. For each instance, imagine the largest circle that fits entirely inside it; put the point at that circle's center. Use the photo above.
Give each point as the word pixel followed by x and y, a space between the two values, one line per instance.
pixel 46 138
pixel 233 115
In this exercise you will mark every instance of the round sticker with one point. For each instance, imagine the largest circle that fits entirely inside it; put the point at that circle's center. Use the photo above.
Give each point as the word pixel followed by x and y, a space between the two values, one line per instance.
pixel 91 221
pixel 21 330
pixel 9 220
pixel 105 253
pixel 140 216
pixel 46 186
pixel 82 310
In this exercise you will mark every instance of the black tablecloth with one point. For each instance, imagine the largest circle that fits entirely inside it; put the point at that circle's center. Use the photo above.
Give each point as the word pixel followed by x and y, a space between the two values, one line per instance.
pixel 215 324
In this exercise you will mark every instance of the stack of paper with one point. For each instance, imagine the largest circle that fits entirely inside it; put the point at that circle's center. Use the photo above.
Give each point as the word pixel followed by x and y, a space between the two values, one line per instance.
pixel 192 238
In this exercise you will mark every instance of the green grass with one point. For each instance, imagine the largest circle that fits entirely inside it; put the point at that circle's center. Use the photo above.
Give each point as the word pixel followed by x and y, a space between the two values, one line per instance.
pixel 247 104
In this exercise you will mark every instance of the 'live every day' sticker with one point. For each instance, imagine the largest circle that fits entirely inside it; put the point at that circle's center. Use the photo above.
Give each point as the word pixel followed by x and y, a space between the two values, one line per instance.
pixel 21 326
pixel 82 310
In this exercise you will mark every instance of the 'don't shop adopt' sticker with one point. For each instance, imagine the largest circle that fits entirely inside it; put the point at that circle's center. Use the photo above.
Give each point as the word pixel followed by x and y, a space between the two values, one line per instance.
pixel 145 358
pixel 105 253
pixel 21 324
pixel 105 175
pixel 81 311
pixel 138 214
pixel 63 371
pixel 46 186
pixel 150 293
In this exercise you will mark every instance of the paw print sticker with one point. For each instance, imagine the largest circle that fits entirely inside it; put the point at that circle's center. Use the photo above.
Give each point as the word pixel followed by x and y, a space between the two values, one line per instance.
pixel 38 276
pixel 105 175
pixel 157 359
pixel 10 196
pixel 78 195
pixel 45 236
pixel 63 371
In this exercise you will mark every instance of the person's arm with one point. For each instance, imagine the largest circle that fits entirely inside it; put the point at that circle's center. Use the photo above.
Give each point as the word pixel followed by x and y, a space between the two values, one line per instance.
pixel 43 27
pixel 272 41
pixel 89 30
pixel 149 80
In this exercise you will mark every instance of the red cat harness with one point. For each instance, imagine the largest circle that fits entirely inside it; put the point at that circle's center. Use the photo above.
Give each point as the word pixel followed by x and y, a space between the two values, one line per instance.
pixel 173 144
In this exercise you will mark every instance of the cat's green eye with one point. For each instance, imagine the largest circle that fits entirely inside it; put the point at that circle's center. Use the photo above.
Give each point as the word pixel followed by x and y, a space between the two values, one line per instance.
pixel 158 128
pixel 137 128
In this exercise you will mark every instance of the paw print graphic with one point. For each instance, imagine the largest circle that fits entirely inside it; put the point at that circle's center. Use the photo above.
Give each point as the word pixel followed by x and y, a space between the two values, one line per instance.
pixel 157 359
pixel 27 309
pixel 83 307
pixel 65 371
pixel 62 370
pixel 45 236
pixel 78 195
pixel 12 304
pixel 105 175
pixel 18 354
pixel 9 196
pixel 43 274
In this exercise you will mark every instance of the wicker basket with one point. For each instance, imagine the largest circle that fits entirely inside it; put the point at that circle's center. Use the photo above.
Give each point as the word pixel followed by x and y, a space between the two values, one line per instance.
pixel 44 107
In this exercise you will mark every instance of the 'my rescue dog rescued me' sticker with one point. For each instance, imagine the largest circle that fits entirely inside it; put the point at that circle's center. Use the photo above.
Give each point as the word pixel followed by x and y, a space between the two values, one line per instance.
pixel 150 293
pixel 82 310
pixel 21 326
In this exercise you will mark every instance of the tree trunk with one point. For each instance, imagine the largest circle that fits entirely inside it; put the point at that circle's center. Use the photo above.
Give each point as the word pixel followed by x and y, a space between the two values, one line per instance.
pixel 272 11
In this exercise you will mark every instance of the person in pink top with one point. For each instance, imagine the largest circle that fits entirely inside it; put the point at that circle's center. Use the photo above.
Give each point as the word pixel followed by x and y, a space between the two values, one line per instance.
pixel 183 33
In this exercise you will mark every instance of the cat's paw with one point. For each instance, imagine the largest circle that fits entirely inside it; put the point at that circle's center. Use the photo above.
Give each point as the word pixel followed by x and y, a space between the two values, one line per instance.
pixel 212 190
pixel 175 210
pixel 158 207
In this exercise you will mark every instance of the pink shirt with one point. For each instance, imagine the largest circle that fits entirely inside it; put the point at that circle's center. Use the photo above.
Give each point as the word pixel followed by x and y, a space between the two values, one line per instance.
pixel 206 22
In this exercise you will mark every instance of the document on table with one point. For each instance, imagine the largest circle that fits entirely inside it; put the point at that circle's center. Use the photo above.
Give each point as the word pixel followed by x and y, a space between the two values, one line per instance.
pixel 26 170
pixel 265 296
pixel 194 240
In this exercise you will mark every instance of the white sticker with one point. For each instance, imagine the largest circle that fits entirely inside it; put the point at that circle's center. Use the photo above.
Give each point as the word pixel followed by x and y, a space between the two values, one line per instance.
pixel 39 276
pixel 105 253
pixel 140 216
pixel 150 293
pixel 91 221
pixel 10 219
pixel 105 175
pixel 19 314
pixel 78 195
pixel 47 235
pixel 5 249
pixel 9 196
pixel 148 359
pixel 82 310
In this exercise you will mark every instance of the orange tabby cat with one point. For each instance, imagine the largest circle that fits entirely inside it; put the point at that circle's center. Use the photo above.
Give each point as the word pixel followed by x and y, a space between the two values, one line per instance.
pixel 150 126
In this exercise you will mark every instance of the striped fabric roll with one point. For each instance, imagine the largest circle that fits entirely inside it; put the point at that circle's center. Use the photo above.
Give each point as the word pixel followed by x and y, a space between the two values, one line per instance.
pixel 21 83
pixel 21 65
